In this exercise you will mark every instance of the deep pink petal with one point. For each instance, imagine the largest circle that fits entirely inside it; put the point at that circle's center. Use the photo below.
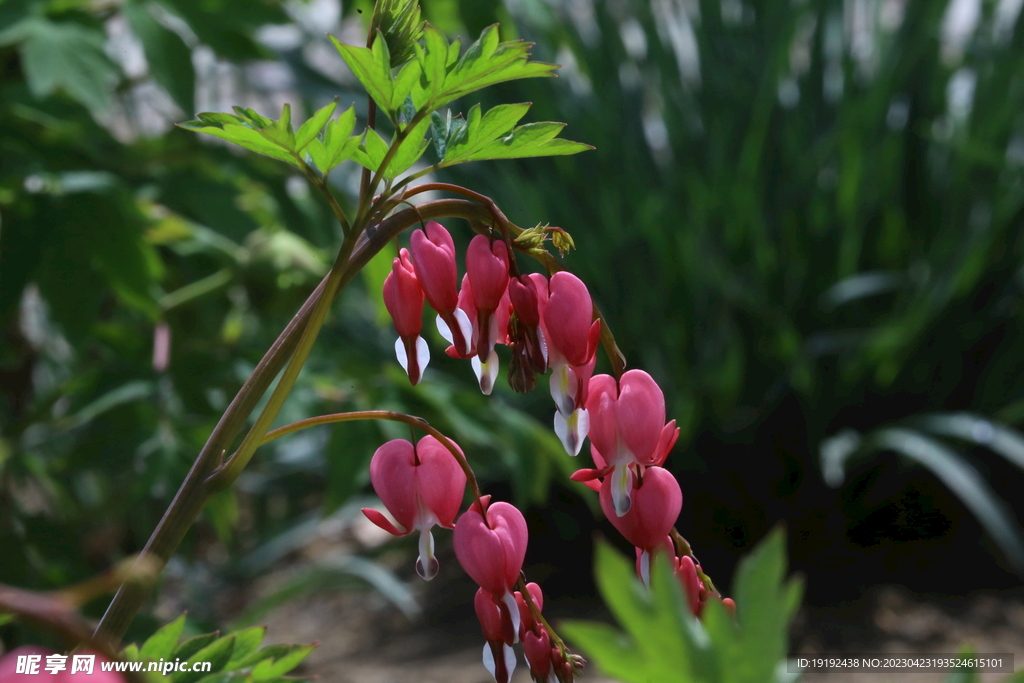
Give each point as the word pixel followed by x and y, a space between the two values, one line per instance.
pixel 666 441
pixel 403 297
pixel 442 482
pixel 508 522
pixel 479 551
pixel 487 268
pixel 392 473
pixel 378 518
pixel 524 299
pixel 640 413
pixel 433 257
pixel 655 507
pixel 537 649
pixel 687 573
pixel 567 318
pixel 489 615
pixel 602 393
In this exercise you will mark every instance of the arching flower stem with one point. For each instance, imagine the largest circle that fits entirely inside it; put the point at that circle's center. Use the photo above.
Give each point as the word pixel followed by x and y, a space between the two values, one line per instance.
pixel 411 420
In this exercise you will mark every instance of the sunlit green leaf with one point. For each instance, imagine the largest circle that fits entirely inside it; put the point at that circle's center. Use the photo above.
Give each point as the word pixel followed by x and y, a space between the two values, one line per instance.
pixel 311 128
pixel 372 66
pixel 337 145
pixel 161 645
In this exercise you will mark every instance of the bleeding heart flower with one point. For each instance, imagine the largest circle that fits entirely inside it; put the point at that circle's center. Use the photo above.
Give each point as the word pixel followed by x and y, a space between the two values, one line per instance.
pixel 538 651
pixel 499 657
pixel 526 620
pixel 492 551
pixel 571 337
pixel 486 370
pixel 433 257
pixel 420 486
pixel 686 570
pixel 627 427
pixel 487 270
pixel 657 501
pixel 403 297
pixel 567 316
pixel 643 559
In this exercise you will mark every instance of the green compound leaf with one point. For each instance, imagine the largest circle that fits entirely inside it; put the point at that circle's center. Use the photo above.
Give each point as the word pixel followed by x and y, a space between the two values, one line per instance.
pixel 411 149
pixel 247 643
pixel 660 639
pixel 246 128
pixel 487 62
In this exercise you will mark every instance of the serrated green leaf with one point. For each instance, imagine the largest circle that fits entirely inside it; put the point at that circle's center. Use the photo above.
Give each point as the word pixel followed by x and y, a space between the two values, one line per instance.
pixel 161 644
pixel 371 153
pixel 270 669
pixel 246 137
pixel 487 62
pixel 254 119
pixel 493 136
pixel 662 641
pixel 433 61
pixel 212 118
pixel 217 653
pixel 337 145
pixel 372 67
pixel 530 140
pixel 311 128
pixel 405 84
pixel 280 132
pixel 194 645
pixel 169 58
pixel 481 130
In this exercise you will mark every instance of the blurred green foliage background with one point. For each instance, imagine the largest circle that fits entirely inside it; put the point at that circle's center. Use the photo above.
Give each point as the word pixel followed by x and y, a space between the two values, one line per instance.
pixel 803 218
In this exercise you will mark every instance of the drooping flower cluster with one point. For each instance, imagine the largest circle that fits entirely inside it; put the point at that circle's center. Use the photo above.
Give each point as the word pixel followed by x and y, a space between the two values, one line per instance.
pixel 548 323
pixel 548 664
